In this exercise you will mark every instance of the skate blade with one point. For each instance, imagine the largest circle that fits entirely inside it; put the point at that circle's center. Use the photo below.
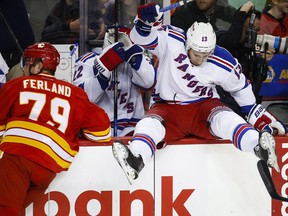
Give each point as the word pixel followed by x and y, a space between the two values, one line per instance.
pixel 272 157
pixel 119 155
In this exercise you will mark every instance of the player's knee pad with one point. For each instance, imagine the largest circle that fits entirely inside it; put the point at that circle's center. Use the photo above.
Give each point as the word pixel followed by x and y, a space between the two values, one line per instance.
pixel 155 116
pixel 223 124
pixel 152 126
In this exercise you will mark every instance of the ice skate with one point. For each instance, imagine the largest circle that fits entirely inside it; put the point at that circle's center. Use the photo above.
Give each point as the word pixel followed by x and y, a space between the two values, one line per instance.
pixel 130 164
pixel 265 150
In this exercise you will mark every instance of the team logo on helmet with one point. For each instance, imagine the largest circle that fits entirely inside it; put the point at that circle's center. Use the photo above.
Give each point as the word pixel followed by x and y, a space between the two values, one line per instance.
pixel 46 52
pixel 201 37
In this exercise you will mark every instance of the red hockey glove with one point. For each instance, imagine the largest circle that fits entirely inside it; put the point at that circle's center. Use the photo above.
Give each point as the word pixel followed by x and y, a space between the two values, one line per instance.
pixel 263 120
pixel 113 55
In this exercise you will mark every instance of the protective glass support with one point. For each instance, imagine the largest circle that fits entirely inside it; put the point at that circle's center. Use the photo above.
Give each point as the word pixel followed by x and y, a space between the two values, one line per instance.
pixel 23 62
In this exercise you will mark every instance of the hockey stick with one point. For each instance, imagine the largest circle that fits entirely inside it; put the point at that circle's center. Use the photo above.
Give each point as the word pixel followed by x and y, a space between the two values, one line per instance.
pixel 175 5
pixel 115 75
pixel 268 181
pixel 15 40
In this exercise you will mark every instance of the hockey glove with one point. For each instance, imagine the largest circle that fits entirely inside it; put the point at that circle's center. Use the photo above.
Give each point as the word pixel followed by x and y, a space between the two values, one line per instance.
pixel 150 14
pixel 108 60
pixel 263 120
pixel 133 56
pixel 112 56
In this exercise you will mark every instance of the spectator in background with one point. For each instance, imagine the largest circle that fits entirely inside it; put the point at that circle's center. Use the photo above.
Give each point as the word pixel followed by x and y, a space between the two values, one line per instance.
pixel 3 70
pixel 238 40
pixel 234 38
pixel 96 12
pixel 16 30
pixel 62 25
pixel 127 11
pixel 39 128
pixel 219 14
pixel 274 19
pixel 95 74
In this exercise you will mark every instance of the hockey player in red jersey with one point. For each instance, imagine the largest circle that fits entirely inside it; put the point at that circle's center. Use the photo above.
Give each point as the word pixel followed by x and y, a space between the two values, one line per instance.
pixel 190 67
pixel 40 119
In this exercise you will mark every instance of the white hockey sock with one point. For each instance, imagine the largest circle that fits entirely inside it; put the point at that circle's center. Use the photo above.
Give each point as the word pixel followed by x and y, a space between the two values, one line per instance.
pixel 148 133
pixel 229 125
pixel 249 141
pixel 140 148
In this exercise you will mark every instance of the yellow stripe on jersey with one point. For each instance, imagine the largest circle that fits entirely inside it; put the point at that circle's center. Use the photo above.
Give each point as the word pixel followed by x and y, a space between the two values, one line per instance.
pixel 20 132
pixel 98 140
pixel 38 145
pixel 99 136
pixel 2 129
pixel 98 133
pixel 42 130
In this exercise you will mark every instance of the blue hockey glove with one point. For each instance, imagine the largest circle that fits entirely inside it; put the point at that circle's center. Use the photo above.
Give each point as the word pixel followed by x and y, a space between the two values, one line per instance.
pixel 133 56
pixel 150 13
pixel 263 120
pixel 142 28
pixel 133 51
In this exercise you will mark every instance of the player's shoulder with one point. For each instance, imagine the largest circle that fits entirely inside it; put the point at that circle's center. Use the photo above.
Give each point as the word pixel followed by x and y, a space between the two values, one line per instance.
pixel 86 58
pixel 224 54
pixel 174 33
pixel 223 59
pixel 175 28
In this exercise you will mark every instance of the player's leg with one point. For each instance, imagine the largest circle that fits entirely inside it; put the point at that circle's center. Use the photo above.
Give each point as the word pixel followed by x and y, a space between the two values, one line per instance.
pixel 40 180
pixel 148 132
pixel 14 182
pixel 229 125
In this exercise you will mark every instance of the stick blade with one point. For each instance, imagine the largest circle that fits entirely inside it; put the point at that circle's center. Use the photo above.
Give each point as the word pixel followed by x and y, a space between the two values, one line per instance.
pixel 268 181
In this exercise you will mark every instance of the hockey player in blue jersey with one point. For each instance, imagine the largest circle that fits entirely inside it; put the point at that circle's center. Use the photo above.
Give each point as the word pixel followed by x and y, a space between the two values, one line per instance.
pixel 190 67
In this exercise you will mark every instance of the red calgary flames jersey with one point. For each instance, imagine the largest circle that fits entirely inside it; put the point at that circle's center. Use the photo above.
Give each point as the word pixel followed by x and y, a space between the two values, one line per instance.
pixel 41 117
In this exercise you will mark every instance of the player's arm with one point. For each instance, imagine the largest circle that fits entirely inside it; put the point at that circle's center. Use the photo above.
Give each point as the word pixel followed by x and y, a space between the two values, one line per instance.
pixel 261 119
pixel 144 32
pixel 143 71
pixel 256 114
pixel 84 77
pixel 93 72
pixel 107 61
pixel 232 80
pixel 96 124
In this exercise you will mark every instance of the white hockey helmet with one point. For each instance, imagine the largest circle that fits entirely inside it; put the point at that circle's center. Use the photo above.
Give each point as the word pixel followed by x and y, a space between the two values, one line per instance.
pixel 201 37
